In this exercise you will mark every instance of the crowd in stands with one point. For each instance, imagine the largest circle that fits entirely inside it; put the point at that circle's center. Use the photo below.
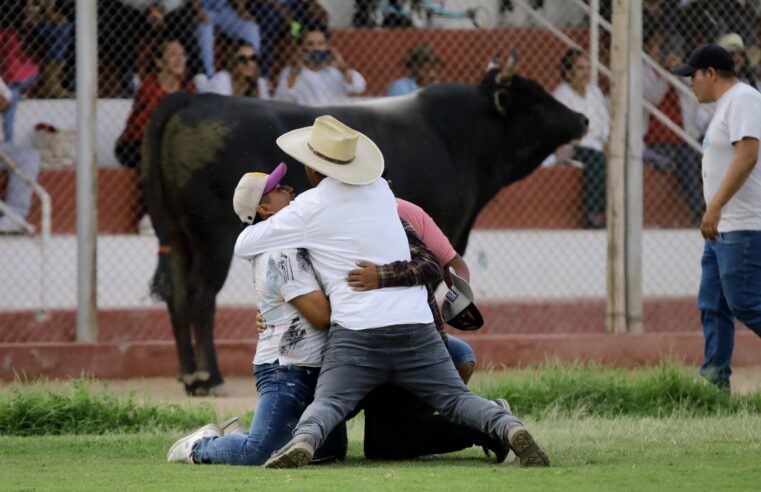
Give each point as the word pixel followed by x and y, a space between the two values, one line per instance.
pixel 281 49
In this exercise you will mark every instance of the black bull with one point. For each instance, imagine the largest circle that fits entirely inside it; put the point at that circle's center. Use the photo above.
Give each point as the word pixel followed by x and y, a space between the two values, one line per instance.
pixel 449 148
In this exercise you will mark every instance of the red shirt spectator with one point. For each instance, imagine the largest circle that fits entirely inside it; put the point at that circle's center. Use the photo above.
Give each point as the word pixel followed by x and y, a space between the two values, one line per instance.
pixel 15 65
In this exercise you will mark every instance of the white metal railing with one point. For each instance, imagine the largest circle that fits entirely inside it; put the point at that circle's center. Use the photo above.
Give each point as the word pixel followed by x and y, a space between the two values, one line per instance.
pixel 44 238
pixel 675 81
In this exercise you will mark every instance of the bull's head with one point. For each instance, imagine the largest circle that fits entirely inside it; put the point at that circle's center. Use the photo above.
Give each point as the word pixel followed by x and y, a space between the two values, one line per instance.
pixel 534 122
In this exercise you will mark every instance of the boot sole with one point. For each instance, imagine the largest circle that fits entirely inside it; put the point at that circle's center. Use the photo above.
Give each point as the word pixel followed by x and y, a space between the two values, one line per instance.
pixel 297 455
pixel 527 449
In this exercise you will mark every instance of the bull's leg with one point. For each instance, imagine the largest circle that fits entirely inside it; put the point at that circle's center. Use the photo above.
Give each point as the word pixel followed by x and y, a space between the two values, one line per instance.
pixel 210 272
pixel 179 313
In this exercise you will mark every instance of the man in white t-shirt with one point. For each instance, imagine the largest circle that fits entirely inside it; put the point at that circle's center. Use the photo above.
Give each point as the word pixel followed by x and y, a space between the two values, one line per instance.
pixel 376 336
pixel 319 76
pixel 730 286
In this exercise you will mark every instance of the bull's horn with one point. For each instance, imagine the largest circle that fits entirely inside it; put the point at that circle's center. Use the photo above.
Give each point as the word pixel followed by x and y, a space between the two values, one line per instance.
pixel 507 73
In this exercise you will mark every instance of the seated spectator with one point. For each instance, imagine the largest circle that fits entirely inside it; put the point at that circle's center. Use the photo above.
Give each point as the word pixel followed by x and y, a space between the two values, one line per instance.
pixel 319 74
pixel 667 150
pixel 733 43
pixel 241 78
pixel 281 21
pixel 47 21
pixel 18 71
pixel 578 93
pixel 129 29
pixel 18 195
pixel 422 64
pixel 170 77
pixel 236 23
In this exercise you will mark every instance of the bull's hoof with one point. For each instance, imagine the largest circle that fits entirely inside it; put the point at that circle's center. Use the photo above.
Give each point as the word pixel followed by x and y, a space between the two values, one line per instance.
pixel 204 389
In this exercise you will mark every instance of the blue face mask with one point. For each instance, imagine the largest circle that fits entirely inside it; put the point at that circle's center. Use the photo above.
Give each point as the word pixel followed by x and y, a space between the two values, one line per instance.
pixel 318 57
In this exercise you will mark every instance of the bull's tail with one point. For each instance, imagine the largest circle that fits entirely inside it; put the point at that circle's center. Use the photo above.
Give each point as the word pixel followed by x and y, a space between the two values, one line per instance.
pixel 153 189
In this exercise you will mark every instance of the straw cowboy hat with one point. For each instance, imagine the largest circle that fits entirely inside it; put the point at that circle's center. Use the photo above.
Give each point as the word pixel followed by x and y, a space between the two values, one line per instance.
pixel 333 149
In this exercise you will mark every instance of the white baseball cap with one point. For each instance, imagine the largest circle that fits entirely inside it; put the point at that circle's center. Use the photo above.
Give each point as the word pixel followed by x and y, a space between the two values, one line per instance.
pixel 250 190
pixel 459 309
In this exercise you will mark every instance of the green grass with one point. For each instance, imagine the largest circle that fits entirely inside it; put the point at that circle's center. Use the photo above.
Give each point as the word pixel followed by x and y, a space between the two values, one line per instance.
pixel 36 409
pixel 590 453
pixel 553 391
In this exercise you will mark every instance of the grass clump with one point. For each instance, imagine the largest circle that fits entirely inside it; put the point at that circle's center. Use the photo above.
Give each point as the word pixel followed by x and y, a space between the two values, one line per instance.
pixel 28 410
pixel 592 390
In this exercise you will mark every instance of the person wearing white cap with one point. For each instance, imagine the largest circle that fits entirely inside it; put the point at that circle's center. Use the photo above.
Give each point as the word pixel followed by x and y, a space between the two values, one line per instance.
pixel 377 336
pixel 288 353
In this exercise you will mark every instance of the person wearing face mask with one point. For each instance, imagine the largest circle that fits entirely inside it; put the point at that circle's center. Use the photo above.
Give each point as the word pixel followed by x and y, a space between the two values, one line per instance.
pixel 319 74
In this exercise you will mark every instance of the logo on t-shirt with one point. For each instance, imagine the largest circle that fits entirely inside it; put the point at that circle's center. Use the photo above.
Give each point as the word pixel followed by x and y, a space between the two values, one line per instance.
pixel 706 143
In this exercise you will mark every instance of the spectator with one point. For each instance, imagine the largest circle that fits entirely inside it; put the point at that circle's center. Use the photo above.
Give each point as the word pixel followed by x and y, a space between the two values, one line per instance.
pixel 664 148
pixel 241 78
pixel 733 43
pixel 578 93
pixel 236 23
pixel 319 74
pixel 170 61
pixel 47 21
pixel 18 71
pixel 18 196
pixel 128 29
pixel 283 20
pixel 422 64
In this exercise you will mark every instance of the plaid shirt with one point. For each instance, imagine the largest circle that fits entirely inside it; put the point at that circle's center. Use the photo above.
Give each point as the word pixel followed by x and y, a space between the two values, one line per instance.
pixel 423 269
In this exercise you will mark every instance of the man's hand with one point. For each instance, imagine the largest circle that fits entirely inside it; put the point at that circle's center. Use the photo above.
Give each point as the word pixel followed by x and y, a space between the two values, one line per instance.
pixel 363 278
pixel 261 323
pixel 709 227
pixel 4 104
pixel 337 60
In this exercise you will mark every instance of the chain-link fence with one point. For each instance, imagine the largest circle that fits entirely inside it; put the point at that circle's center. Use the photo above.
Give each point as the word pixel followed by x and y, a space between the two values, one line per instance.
pixel 538 251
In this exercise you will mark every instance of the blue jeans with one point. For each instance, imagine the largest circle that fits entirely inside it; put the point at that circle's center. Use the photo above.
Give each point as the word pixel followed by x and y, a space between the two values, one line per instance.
pixel 284 393
pixel 227 21
pixel 459 350
pixel 730 287
pixel 58 37
pixel 9 117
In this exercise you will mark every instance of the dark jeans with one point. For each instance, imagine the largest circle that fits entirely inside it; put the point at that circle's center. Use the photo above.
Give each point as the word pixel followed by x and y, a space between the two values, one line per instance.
pixel 730 287
pixel 593 178
pixel 399 426
pixel 411 357
pixel 284 393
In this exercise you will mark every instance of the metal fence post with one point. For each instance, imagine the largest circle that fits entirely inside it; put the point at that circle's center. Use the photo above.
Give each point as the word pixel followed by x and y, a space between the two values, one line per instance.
pixel 87 177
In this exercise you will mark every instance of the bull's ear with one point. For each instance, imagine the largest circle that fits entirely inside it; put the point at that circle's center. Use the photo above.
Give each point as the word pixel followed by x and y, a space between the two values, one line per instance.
pixel 505 77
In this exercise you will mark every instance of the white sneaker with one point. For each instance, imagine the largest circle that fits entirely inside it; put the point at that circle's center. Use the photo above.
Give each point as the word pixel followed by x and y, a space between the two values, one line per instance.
pixel 9 227
pixel 145 226
pixel 182 450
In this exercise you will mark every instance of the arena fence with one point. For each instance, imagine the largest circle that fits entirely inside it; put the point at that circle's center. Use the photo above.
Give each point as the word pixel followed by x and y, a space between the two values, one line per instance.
pixel 539 254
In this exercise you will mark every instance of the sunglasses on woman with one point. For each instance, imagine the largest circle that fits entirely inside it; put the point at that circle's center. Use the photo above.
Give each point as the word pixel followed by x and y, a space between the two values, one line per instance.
pixel 247 58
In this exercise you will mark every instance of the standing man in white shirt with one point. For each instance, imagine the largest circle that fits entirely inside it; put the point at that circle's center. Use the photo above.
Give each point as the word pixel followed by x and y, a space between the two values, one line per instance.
pixel 730 286
pixel 377 336
pixel 319 76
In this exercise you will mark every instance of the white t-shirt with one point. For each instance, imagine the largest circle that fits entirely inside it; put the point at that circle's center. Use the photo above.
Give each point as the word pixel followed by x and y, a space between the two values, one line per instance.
pixel 279 277
pixel 319 88
pixel 738 115
pixel 341 224
pixel 592 105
